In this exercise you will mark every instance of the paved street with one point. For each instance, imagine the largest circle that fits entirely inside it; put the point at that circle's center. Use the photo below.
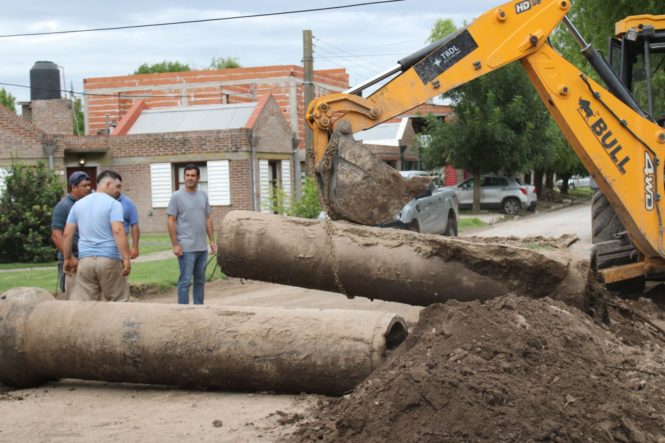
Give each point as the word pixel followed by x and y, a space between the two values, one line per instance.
pixel 571 220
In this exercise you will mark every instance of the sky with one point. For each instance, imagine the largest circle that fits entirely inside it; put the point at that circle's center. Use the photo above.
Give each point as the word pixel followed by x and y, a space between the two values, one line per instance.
pixel 366 40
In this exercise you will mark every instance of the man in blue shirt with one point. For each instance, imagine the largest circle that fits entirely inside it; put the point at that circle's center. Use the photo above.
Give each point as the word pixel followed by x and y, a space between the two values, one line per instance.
pixel 79 187
pixel 131 217
pixel 104 259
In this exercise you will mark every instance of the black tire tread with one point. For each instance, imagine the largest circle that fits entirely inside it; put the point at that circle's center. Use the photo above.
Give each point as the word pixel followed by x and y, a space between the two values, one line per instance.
pixel 604 222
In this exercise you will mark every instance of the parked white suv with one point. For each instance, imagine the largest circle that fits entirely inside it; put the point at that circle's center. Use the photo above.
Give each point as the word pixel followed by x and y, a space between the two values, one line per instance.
pixel 531 196
pixel 496 192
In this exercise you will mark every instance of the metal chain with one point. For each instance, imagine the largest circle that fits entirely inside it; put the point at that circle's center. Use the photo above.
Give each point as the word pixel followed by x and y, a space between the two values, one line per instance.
pixel 328 226
pixel 325 170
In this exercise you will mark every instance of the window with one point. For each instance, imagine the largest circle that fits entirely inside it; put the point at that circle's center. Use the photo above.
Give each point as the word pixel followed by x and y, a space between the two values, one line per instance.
pixel 274 174
pixel 165 178
pixel 494 181
pixel 180 175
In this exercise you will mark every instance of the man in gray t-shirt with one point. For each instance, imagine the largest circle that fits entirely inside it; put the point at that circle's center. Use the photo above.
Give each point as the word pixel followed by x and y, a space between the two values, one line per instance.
pixel 189 223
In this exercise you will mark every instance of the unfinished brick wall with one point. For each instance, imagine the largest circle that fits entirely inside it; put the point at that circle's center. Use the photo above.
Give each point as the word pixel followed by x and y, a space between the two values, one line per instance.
pixel 222 86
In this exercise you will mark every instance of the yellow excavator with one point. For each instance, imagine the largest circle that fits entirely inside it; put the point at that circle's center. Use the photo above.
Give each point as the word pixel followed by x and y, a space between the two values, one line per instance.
pixel 619 139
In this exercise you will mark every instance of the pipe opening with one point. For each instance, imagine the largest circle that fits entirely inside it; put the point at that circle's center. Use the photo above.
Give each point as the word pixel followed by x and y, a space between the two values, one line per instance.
pixel 395 335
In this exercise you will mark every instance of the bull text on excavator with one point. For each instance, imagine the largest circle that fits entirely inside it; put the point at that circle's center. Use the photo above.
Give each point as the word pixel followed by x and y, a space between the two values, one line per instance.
pixel 619 139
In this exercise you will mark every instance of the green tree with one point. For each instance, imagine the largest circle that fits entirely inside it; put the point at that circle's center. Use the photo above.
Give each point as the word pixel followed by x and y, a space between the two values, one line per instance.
pixel 29 196
pixel 77 116
pixel 442 28
pixel 224 63
pixel 165 66
pixel 595 19
pixel 307 206
pixel 7 100
pixel 499 126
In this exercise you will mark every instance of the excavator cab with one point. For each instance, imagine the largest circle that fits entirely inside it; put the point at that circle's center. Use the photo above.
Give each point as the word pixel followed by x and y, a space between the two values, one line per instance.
pixel 637 56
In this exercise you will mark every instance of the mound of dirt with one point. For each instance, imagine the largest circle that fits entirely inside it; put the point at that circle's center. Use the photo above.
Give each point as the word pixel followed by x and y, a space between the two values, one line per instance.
pixel 511 369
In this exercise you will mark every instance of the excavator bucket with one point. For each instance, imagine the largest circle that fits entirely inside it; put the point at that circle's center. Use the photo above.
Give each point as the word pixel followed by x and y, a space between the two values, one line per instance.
pixel 355 185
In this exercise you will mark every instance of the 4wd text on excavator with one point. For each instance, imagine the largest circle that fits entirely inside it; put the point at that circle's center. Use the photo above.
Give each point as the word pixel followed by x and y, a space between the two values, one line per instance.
pixel 619 141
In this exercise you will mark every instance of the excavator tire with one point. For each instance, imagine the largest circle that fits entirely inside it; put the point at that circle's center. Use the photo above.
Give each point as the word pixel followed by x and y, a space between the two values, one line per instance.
pixel 613 247
pixel 605 225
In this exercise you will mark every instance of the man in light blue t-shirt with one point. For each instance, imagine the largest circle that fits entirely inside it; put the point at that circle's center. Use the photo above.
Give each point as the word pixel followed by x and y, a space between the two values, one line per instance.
pixel 189 223
pixel 104 259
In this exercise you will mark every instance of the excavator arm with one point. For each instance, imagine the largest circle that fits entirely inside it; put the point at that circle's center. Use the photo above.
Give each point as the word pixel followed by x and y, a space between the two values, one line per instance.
pixel 618 144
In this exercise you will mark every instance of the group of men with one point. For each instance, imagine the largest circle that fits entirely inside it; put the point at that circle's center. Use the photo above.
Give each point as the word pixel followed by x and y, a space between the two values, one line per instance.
pixel 90 230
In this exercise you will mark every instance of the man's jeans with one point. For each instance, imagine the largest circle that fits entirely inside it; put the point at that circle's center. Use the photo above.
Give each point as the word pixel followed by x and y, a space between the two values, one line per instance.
pixel 192 264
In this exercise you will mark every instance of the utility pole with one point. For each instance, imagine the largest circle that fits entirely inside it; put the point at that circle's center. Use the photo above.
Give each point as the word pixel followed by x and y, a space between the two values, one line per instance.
pixel 308 91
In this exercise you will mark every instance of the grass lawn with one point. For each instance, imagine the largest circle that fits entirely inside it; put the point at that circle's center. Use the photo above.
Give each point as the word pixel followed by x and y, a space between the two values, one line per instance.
pixel 162 274
pixel 36 279
pixel 466 224
pixel 28 265
pixel 149 243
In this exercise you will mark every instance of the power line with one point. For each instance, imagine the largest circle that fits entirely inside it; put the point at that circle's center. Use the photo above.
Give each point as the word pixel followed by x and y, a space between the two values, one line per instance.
pixel 350 53
pixel 364 67
pixel 351 66
pixel 184 22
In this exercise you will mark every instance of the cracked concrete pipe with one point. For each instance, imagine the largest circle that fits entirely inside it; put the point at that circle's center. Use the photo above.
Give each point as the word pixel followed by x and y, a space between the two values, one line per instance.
pixel 385 264
pixel 255 349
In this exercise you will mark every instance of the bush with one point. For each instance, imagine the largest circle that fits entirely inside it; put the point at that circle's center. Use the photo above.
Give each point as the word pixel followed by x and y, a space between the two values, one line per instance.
pixel 307 206
pixel 29 196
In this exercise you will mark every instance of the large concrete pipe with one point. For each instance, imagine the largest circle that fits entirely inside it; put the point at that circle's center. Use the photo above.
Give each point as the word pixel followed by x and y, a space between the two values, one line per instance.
pixel 264 349
pixel 385 264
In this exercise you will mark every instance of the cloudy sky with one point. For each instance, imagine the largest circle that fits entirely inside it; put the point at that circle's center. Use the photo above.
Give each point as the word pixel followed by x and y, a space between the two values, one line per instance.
pixel 366 40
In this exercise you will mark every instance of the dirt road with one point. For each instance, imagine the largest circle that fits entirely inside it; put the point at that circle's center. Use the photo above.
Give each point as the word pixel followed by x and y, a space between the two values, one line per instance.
pixel 76 411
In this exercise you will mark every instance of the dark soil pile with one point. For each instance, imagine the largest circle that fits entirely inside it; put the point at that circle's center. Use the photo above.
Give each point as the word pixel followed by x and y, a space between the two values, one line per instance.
pixel 511 369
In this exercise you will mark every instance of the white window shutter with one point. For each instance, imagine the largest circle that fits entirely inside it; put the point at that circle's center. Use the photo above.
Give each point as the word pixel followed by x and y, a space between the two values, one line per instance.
pixel 286 178
pixel 219 183
pixel 3 173
pixel 161 184
pixel 264 185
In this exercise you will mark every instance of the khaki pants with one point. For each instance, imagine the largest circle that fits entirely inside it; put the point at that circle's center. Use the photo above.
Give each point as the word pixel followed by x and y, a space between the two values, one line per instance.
pixel 100 279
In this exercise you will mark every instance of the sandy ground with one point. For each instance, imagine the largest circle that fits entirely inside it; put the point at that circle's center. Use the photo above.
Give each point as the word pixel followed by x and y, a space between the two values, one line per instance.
pixel 81 411
pixel 78 411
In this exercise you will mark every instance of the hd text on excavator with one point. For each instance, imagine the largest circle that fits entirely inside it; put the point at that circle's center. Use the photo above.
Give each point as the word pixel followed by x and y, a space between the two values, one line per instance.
pixel 616 130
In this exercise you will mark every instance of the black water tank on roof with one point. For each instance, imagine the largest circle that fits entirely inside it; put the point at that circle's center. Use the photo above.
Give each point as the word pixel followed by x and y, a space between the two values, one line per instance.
pixel 44 81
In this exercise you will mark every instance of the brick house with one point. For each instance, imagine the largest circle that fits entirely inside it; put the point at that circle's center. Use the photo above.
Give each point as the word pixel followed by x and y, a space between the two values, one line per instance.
pixel 150 162
pixel 110 99
pixel 152 139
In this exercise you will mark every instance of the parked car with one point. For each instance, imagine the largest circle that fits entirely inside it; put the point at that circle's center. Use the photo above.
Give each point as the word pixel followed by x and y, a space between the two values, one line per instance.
pixel 411 174
pixel 496 192
pixel 575 182
pixel 531 196
pixel 434 212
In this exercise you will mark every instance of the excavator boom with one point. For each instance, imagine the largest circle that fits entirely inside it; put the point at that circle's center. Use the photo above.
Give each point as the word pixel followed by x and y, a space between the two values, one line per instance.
pixel 618 143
